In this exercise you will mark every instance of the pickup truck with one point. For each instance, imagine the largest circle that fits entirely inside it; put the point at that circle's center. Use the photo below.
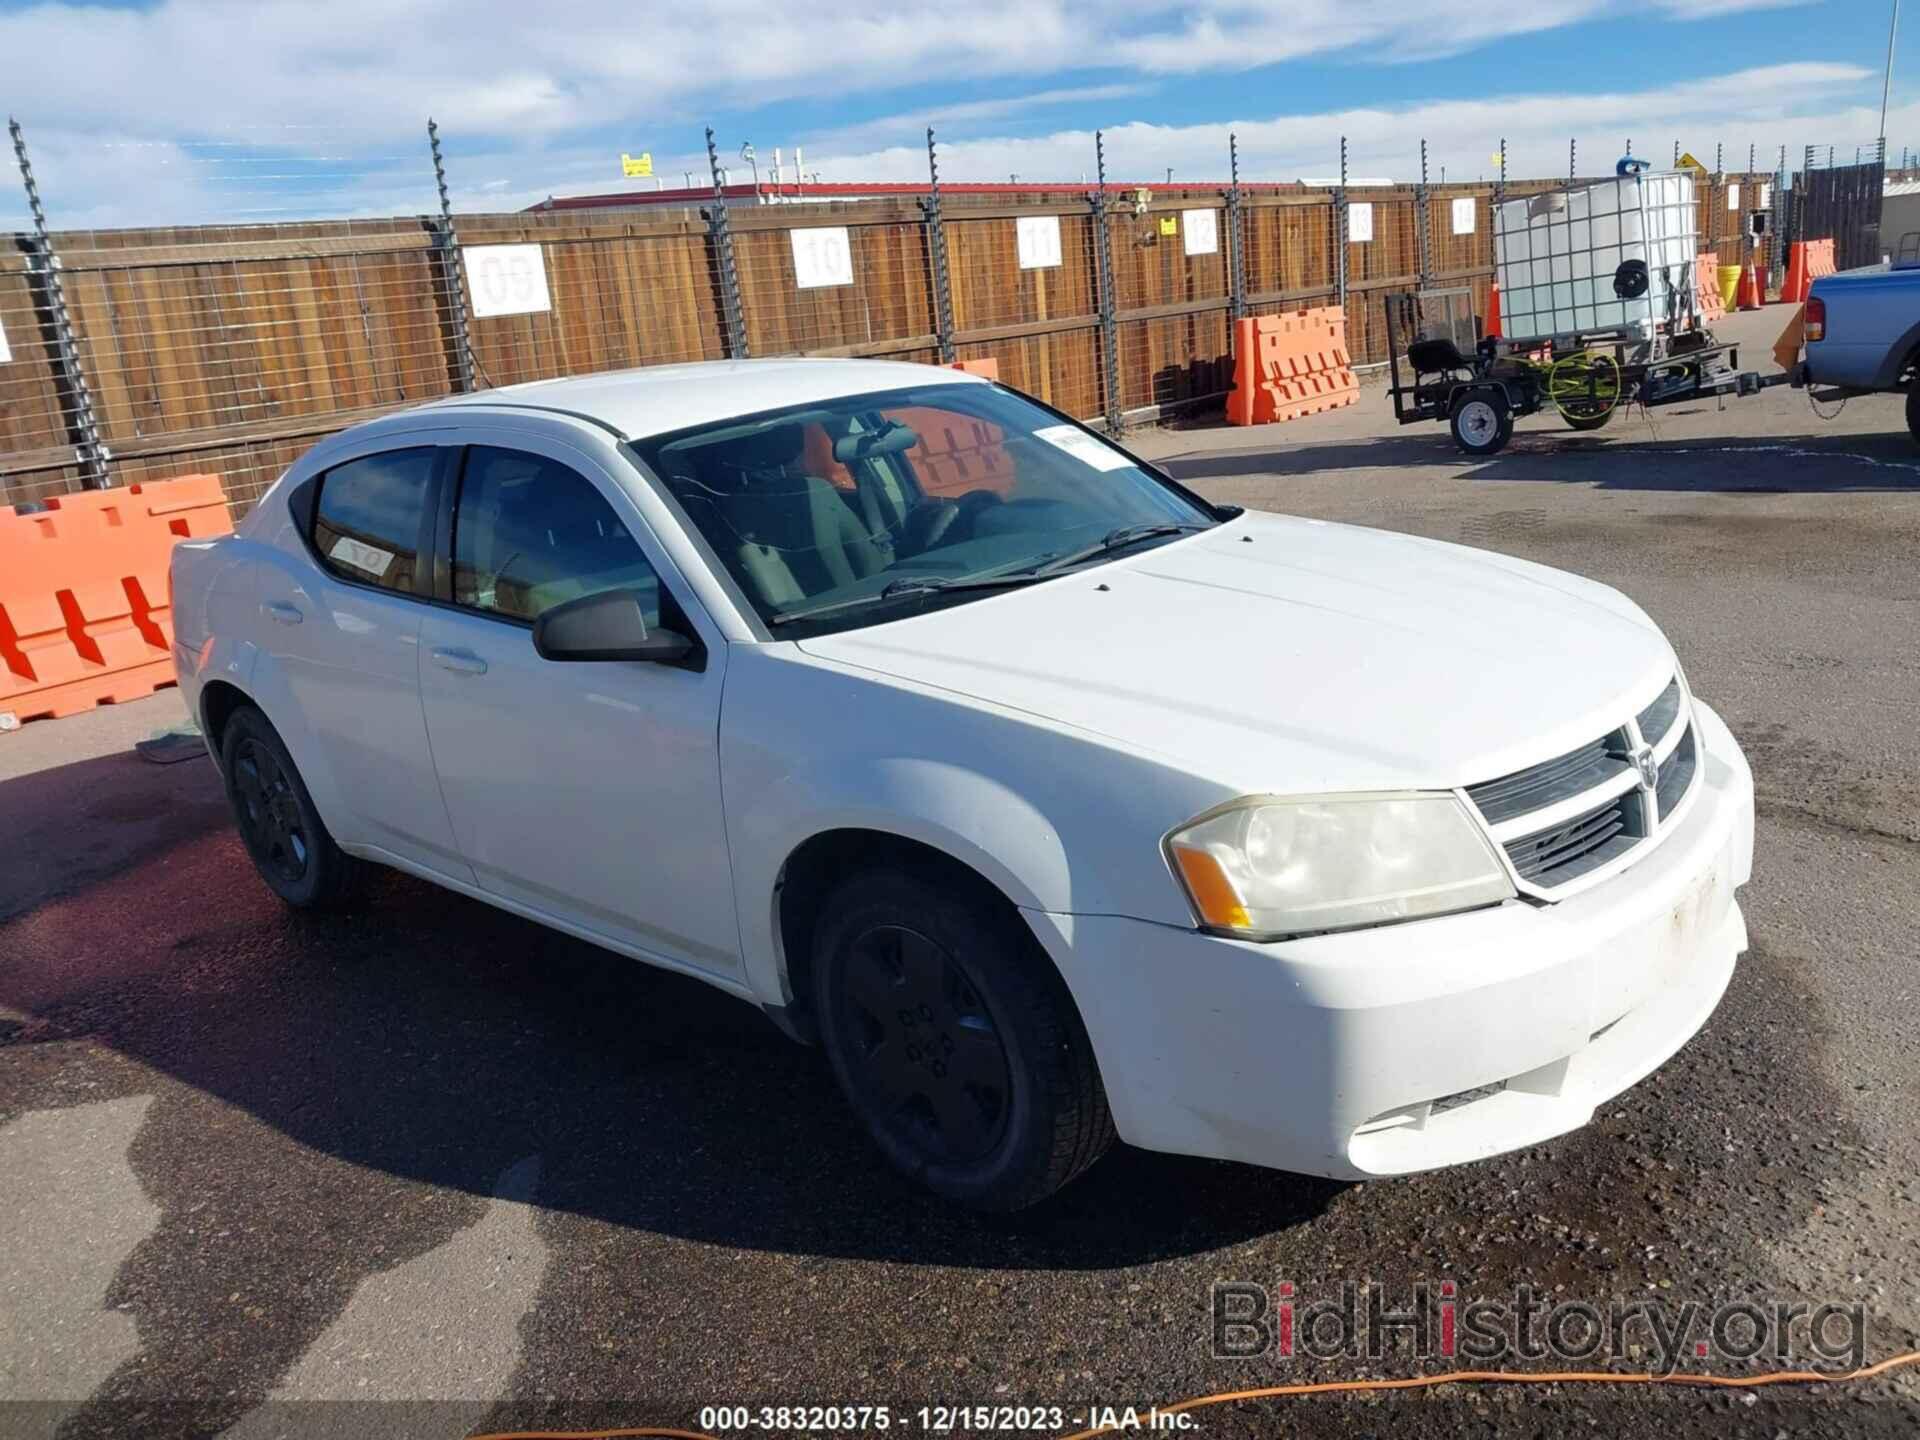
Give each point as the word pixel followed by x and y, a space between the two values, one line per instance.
pixel 1863 333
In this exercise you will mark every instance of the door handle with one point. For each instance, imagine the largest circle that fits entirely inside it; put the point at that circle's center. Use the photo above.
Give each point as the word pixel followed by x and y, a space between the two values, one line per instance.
pixel 280 611
pixel 461 662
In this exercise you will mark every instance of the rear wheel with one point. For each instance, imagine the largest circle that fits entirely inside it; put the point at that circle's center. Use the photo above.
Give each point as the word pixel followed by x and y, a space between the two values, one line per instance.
pixel 1913 408
pixel 283 831
pixel 1481 422
pixel 955 1040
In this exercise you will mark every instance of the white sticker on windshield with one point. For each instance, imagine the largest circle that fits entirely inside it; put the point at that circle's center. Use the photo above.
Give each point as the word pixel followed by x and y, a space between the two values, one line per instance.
pixel 361 556
pixel 1083 447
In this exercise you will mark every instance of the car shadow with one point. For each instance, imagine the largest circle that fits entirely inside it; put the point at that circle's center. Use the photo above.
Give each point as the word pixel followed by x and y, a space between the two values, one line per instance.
pixel 1616 460
pixel 430 1037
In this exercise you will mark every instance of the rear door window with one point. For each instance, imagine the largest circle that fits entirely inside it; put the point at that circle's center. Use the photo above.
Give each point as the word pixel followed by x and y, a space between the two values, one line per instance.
pixel 368 519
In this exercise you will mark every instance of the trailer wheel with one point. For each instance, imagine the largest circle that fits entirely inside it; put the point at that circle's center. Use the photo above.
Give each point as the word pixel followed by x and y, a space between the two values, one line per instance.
pixel 1481 422
pixel 1587 422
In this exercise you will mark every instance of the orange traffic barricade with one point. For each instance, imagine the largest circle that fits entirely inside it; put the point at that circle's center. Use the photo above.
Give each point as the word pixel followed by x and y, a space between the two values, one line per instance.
pixel 1706 286
pixel 85 615
pixel 1289 365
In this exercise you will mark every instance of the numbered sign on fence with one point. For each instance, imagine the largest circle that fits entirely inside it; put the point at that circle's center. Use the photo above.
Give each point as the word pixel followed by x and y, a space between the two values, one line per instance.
pixel 5 353
pixel 1039 241
pixel 1463 216
pixel 1733 196
pixel 1360 222
pixel 506 279
pixel 1202 231
pixel 822 256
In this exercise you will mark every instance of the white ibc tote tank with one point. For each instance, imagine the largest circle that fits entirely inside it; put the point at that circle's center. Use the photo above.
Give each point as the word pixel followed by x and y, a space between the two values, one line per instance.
pixel 1556 254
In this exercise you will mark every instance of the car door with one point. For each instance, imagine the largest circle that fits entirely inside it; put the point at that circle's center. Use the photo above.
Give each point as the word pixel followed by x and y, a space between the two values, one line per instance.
pixel 588 791
pixel 343 626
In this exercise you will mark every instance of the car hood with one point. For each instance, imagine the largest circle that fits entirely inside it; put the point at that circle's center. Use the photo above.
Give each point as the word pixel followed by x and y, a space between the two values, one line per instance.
pixel 1282 654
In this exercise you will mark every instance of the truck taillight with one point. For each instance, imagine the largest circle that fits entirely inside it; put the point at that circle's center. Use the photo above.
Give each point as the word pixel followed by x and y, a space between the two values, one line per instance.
pixel 1815 323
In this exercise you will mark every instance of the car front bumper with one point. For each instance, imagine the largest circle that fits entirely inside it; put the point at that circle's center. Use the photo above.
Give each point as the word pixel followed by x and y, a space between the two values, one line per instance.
pixel 1408 1047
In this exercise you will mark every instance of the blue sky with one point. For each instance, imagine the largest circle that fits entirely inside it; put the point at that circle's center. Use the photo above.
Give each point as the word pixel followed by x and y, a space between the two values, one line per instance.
pixel 193 110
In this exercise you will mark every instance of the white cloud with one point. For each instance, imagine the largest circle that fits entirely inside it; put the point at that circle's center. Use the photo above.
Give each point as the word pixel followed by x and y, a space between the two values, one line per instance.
pixel 197 109
pixel 1736 110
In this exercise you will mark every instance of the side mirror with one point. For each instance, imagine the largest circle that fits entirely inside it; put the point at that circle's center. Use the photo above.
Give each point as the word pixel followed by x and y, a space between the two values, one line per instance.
pixel 612 625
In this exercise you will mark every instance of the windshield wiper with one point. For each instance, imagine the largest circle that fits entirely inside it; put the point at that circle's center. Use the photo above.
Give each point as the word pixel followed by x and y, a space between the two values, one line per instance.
pixel 1114 540
pixel 905 585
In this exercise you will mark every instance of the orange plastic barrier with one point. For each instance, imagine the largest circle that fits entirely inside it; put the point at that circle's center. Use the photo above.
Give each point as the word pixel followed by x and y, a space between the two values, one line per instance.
pixel 1706 286
pixel 1794 288
pixel 1286 366
pixel 1819 258
pixel 85 613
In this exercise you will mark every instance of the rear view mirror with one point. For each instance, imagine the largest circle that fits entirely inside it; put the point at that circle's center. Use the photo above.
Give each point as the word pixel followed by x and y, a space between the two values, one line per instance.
pixel 612 625
pixel 893 440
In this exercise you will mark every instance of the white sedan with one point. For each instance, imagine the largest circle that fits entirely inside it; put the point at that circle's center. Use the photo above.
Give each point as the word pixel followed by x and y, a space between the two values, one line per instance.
pixel 1052 800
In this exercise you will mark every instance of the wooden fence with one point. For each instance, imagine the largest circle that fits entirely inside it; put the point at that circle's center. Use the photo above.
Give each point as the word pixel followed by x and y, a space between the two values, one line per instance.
pixel 234 349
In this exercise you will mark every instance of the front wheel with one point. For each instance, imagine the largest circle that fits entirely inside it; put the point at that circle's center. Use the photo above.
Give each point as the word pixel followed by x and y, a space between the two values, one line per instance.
pixel 955 1039
pixel 1481 422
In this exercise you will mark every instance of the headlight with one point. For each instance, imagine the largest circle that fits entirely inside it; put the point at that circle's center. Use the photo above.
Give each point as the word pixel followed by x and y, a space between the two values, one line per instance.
pixel 1267 867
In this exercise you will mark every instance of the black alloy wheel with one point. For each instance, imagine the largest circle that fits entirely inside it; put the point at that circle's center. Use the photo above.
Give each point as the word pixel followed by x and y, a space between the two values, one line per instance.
pixel 923 1046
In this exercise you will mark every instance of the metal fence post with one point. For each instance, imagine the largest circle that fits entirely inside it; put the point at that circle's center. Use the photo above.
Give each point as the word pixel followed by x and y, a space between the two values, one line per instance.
pixel 446 250
pixel 1422 226
pixel 1340 231
pixel 1103 283
pixel 1719 201
pixel 937 253
pixel 1776 222
pixel 732 312
pixel 1236 238
pixel 44 265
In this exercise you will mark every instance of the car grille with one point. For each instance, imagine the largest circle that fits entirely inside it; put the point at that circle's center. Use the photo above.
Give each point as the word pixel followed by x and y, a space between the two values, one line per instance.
pixel 1658 718
pixel 1676 774
pixel 1566 852
pixel 1539 786
pixel 1577 839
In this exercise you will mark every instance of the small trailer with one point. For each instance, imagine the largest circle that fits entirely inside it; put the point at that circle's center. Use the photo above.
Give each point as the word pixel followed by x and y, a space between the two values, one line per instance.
pixel 1585 378
pixel 1601 310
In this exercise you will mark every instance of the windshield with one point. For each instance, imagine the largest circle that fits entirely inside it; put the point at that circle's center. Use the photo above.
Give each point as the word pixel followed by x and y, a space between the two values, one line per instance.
pixel 851 511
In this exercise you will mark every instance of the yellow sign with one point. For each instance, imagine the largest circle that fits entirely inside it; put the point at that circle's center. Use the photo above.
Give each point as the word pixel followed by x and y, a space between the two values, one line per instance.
pixel 1169 225
pixel 1687 162
pixel 636 167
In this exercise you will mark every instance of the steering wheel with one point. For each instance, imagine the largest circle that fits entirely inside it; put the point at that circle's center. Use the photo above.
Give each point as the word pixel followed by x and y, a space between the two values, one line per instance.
pixel 942 514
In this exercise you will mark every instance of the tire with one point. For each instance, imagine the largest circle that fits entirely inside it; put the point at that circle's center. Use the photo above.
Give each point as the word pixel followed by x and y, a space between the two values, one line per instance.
pixel 955 1040
pixel 276 817
pixel 1588 422
pixel 1913 408
pixel 1481 422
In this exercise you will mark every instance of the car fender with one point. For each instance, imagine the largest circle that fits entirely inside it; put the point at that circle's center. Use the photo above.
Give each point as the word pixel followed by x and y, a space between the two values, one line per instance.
pixel 1054 819
pixel 1887 377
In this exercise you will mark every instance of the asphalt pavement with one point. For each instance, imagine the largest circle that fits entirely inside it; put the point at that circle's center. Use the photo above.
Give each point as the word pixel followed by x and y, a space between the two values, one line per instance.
pixel 425 1168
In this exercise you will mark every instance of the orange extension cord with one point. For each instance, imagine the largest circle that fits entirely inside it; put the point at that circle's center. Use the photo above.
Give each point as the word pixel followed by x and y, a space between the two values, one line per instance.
pixel 1334 1387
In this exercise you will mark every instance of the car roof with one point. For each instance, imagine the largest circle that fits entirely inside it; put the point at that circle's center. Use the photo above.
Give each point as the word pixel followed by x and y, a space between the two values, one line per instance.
pixel 662 398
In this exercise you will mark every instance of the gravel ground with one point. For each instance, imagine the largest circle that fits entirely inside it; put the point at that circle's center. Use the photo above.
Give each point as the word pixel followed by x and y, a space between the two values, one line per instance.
pixel 424 1168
